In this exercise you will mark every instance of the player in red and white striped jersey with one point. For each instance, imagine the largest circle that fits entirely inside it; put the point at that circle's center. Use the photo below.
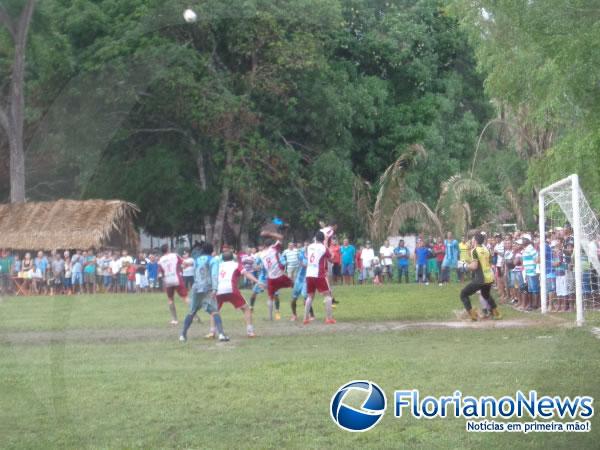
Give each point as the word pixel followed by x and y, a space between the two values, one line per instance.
pixel 271 260
pixel 228 291
pixel 170 266
pixel 317 256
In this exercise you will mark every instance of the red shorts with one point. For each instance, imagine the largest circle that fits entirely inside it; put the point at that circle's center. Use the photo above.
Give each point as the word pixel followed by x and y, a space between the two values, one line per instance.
pixel 235 298
pixel 317 284
pixel 274 284
pixel 181 291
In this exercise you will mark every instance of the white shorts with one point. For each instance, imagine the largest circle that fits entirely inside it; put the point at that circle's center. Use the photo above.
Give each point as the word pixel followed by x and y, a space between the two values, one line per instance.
pixel 562 289
pixel 141 280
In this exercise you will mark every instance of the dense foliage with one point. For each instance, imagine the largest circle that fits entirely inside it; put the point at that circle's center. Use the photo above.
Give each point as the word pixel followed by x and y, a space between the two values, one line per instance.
pixel 259 108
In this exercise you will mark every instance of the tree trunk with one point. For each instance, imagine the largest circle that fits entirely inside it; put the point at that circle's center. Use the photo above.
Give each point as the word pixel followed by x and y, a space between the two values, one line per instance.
pixel 208 226
pixel 246 221
pixel 221 213
pixel 13 120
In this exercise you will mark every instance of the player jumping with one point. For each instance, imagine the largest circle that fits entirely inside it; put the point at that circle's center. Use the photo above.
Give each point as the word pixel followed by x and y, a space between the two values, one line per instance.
pixel 316 277
pixel 271 259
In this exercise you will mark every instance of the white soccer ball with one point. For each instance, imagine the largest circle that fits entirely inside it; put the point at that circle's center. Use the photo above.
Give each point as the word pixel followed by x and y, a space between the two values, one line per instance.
pixel 189 16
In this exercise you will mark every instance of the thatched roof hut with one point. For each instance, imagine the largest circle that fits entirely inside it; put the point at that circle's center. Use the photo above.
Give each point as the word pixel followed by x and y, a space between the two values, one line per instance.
pixel 68 224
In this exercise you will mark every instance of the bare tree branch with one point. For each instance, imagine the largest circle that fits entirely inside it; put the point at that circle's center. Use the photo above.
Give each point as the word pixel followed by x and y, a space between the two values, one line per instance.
pixel 6 20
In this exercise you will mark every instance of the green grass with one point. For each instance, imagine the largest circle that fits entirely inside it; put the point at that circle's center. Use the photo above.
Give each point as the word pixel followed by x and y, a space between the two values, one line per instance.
pixel 66 391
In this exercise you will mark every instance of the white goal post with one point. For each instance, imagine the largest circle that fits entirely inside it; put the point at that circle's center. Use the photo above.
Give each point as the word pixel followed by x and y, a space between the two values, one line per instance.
pixel 566 199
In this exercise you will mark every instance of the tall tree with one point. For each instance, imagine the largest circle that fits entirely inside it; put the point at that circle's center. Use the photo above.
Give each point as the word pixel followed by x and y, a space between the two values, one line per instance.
pixel 12 112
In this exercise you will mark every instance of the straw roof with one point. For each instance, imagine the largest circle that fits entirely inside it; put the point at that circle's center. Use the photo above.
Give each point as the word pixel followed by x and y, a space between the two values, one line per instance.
pixel 68 224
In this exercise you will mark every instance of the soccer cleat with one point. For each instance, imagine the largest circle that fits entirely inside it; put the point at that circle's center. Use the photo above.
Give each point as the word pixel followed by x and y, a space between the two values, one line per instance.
pixel 496 314
pixel 306 321
pixel 330 321
pixel 334 301
pixel 174 322
pixel 251 334
pixel 473 315
pixel 293 318
pixel 210 335
pixel 311 318
pixel 223 338
pixel 277 315
pixel 182 338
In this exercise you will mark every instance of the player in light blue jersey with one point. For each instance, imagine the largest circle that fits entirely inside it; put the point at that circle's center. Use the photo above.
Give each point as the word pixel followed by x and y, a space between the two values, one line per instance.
pixel 204 291
pixel 300 283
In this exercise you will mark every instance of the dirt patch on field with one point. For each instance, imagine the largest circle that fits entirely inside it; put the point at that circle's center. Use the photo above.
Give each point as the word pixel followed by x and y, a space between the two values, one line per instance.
pixel 235 330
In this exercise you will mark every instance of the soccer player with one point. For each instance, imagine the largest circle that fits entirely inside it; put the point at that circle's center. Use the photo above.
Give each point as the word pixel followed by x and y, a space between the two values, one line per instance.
pixel 170 266
pixel 482 280
pixel 300 283
pixel 328 231
pixel 262 278
pixel 203 294
pixel 271 259
pixel 402 255
pixel 317 255
pixel 228 291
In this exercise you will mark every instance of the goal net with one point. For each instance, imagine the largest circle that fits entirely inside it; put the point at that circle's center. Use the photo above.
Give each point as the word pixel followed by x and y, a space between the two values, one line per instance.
pixel 569 257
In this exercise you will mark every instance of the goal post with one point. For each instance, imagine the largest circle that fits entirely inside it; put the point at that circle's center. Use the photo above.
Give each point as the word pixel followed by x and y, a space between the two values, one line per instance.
pixel 564 201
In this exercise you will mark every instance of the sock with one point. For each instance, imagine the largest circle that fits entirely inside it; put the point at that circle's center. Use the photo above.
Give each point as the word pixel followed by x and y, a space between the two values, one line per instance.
pixel 294 302
pixel 186 324
pixel 270 305
pixel 277 303
pixel 252 300
pixel 249 329
pixel 328 308
pixel 312 313
pixel 173 311
pixel 218 323
pixel 307 307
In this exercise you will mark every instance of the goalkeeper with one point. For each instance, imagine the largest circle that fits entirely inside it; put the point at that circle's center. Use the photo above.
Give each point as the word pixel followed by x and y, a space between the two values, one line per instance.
pixel 482 280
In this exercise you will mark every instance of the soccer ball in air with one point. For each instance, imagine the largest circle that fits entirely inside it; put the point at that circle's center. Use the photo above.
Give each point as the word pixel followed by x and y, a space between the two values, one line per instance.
pixel 189 16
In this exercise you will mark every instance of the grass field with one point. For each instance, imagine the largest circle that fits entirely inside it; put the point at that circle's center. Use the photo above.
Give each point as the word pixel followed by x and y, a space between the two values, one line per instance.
pixel 108 372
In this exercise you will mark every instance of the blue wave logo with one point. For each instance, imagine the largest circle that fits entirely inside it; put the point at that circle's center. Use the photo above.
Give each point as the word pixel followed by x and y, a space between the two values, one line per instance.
pixel 360 419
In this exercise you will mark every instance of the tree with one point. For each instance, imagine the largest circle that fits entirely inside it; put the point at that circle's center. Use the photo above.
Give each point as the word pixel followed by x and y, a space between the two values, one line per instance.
pixel 12 114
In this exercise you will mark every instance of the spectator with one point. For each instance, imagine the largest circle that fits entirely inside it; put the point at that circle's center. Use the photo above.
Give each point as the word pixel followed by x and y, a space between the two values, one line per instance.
pixel 67 275
pixel 450 260
pixel 5 271
pixel 16 265
pixel 103 264
pixel 377 270
pixel 152 271
pixel 366 258
pixel 126 261
pixel 336 260
pixel 115 272
pixel 131 275
pixel 422 254
pixel 39 273
pixel 89 272
pixel 57 265
pixel 77 272
pixel 292 261
pixel 439 250
pixel 386 253
pixel 402 255
pixel 358 262
pixel 463 258
pixel 141 279
pixel 348 253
